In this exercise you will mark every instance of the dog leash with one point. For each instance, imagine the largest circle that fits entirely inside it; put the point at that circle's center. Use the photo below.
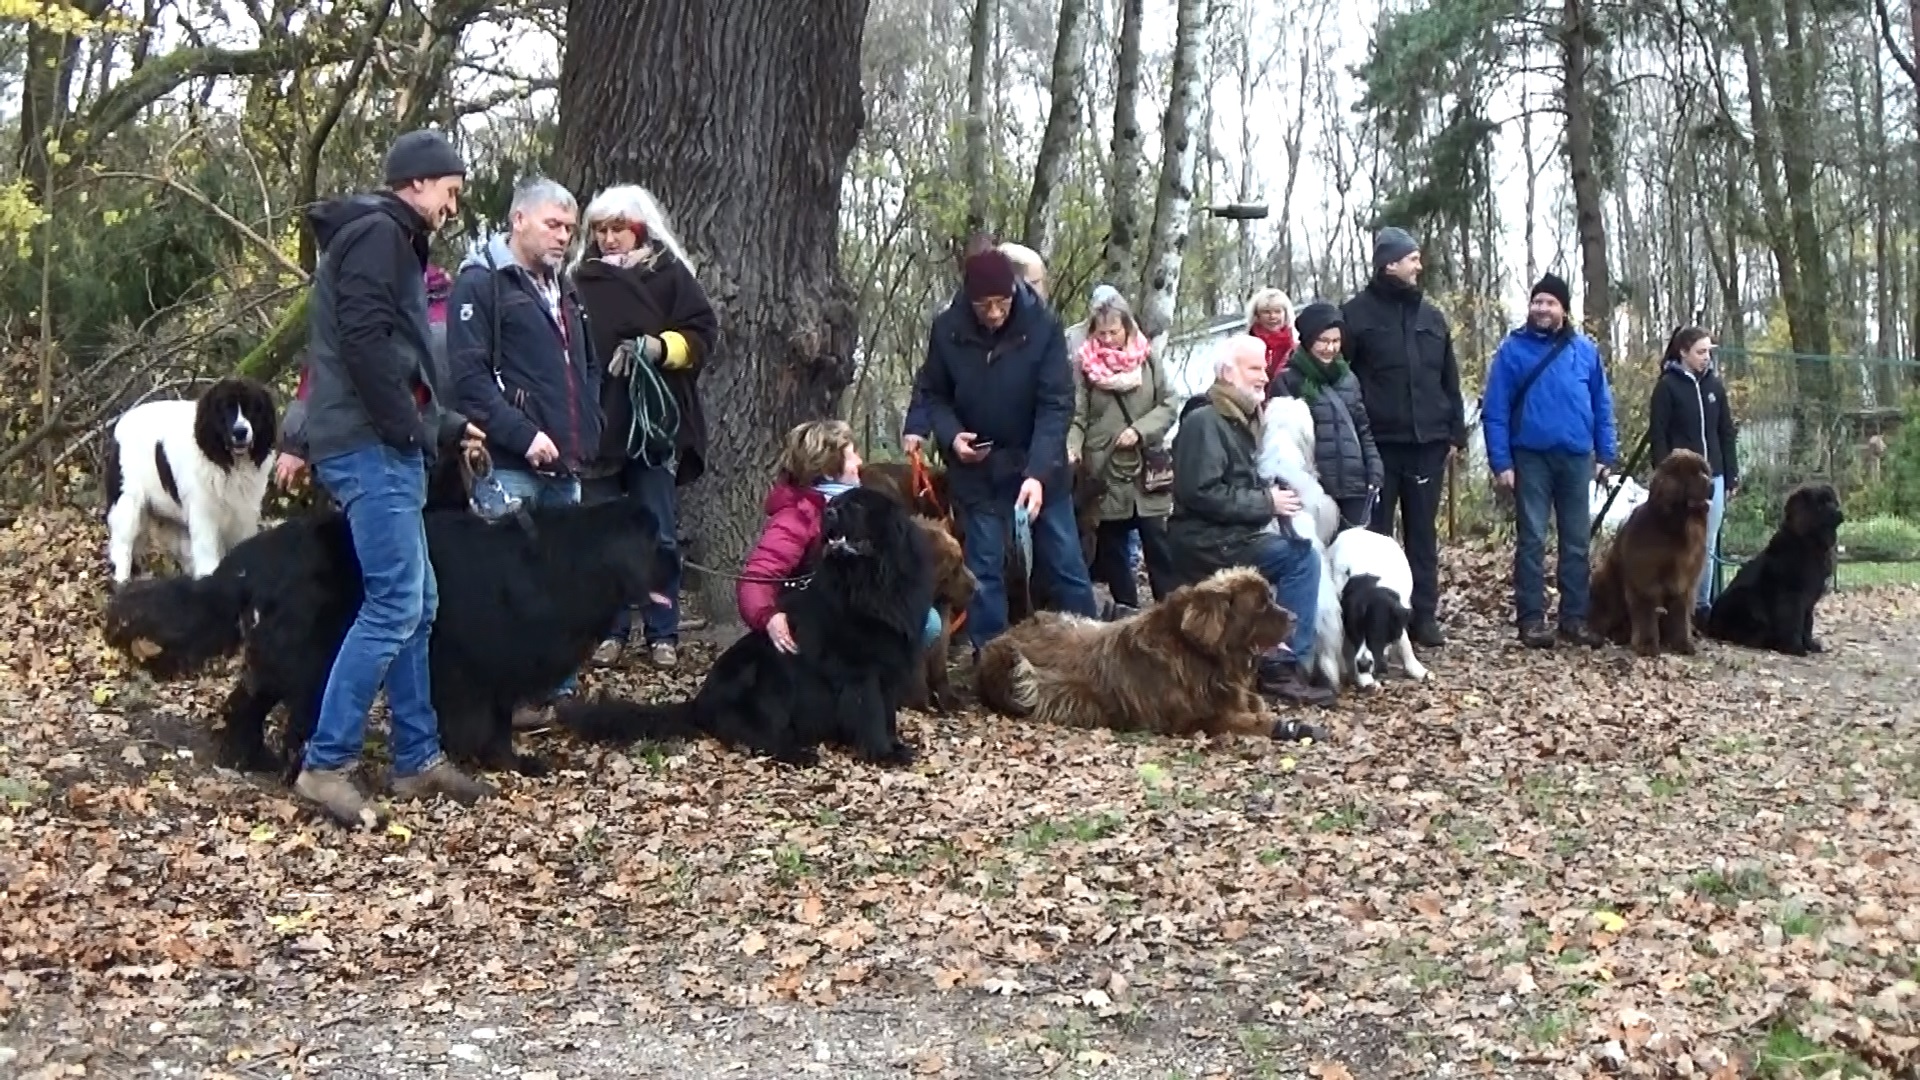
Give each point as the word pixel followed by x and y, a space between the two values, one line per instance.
pixel 798 581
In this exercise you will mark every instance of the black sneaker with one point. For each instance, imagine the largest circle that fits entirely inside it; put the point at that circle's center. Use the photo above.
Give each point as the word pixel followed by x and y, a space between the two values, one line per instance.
pixel 1298 731
pixel 1427 632
pixel 1280 678
pixel 1535 634
pixel 1579 633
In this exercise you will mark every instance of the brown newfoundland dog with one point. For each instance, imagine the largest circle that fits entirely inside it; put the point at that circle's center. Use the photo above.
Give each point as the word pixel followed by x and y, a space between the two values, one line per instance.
pixel 953 586
pixel 1185 665
pixel 1643 587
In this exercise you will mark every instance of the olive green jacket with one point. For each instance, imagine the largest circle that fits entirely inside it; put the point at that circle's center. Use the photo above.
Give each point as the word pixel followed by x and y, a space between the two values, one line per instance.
pixel 1098 420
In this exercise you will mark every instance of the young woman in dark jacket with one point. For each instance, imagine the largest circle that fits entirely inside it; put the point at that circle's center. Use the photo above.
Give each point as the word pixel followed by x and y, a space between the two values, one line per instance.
pixel 1345 458
pixel 653 327
pixel 1690 411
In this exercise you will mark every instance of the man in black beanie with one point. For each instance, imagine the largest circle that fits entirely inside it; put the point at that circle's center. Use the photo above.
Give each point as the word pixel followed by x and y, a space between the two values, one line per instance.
pixel 375 421
pixel 1401 349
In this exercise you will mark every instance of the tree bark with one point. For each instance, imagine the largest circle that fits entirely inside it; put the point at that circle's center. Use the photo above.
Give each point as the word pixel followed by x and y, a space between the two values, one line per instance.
pixel 1123 181
pixel 740 119
pixel 1173 206
pixel 1577 98
pixel 980 53
pixel 1063 121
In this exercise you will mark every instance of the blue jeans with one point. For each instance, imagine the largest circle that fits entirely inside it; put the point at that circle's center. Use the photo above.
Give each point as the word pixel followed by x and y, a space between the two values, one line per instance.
pixel 1292 567
pixel 535 490
pixel 1703 595
pixel 382 491
pixel 1056 551
pixel 1559 482
pixel 655 489
pixel 932 633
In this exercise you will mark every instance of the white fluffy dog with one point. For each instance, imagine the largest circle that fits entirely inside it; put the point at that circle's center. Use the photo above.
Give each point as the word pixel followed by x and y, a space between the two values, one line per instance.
pixel 1373 583
pixel 1286 457
pixel 1631 496
pixel 187 477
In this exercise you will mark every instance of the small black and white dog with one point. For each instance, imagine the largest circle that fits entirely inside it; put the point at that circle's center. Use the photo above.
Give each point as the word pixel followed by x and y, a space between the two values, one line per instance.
pixel 1375 582
pixel 187 477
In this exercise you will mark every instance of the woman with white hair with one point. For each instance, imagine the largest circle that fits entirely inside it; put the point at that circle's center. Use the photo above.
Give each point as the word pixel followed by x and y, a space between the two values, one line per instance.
pixel 1270 318
pixel 653 327
pixel 1124 407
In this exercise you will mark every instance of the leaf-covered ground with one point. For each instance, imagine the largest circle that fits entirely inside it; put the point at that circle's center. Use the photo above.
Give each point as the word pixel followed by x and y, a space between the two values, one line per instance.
pixel 1537 865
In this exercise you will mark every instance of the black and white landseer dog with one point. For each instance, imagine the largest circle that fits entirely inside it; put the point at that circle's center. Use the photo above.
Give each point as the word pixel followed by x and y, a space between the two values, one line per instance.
pixel 187 477
pixel 1375 583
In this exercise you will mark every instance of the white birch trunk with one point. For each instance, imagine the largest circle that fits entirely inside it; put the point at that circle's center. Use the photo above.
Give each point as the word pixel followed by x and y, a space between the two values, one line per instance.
pixel 1173 206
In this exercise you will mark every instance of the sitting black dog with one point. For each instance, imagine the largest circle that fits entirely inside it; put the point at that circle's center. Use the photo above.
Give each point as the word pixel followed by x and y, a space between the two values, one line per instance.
pixel 858 625
pixel 1769 604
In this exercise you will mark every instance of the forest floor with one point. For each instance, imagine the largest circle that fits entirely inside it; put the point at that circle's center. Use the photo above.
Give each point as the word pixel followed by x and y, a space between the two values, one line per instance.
pixel 1539 864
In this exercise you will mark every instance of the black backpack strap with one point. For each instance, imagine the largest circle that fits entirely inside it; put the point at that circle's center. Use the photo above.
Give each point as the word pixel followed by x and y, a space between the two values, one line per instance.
pixel 1526 384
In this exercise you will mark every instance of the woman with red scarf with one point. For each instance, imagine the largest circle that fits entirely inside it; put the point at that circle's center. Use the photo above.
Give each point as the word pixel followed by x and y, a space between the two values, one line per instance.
pixel 1270 318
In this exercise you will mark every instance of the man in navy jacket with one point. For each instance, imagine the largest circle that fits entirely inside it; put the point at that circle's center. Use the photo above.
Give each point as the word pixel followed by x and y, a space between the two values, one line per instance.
pixel 998 394
pixel 1546 447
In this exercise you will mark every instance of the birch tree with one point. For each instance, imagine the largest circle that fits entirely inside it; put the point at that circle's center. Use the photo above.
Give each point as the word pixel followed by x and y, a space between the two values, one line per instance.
pixel 1173 204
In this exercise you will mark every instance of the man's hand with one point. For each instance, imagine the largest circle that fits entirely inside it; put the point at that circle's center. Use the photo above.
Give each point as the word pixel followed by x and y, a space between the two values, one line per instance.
pixel 1285 501
pixel 1732 487
pixel 963 448
pixel 473 439
pixel 1504 479
pixel 912 443
pixel 1126 440
pixel 781 633
pixel 1032 494
pixel 542 451
pixel 1601 471
pixel 288 471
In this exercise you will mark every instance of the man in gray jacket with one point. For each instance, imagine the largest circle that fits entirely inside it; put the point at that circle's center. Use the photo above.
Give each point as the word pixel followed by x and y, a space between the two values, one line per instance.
pixel 375 421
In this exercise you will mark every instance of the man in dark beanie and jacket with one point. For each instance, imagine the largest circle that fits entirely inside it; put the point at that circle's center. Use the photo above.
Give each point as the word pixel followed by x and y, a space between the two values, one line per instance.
pixel 1401 350
pixel 376 419
pixel 999 395
pixel 1548 418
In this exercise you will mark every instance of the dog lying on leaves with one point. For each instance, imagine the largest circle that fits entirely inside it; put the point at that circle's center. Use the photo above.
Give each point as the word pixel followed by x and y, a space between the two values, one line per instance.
pixel 1185 665
pixel 522 603
pixel 1643 588
pixel 858 625
pixel 1770 602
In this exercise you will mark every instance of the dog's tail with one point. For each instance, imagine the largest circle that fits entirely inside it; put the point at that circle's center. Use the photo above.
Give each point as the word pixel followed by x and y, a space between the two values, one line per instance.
pixel 608 720
pixel 175 626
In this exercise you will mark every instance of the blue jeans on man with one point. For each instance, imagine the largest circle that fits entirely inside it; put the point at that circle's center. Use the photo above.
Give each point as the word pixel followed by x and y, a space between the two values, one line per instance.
pixel 1559 482
pixel 1292 567
pixel 655 488
pixel 535 489
pixel 382 492
pixel 1056 551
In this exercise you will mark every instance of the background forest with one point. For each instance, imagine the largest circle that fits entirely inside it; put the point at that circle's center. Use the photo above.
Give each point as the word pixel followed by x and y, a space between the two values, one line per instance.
pixel 1745 164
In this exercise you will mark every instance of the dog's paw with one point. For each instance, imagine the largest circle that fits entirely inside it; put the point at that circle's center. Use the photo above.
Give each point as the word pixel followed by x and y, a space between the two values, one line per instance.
pixel 899 756
pixel 532 766
pixel 805 757
pixel 1417 671
pixel 1815 645
pixel 1366 681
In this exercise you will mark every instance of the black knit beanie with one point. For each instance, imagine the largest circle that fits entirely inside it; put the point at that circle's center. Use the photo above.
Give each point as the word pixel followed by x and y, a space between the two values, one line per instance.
pixel 422 155
pixel 1553 286
pixel 1390 245
pixel 1316 319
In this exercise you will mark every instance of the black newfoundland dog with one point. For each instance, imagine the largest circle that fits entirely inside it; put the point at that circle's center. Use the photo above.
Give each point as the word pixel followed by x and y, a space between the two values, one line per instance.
pixel 858 624
pixel 523 602
pixel 1769 604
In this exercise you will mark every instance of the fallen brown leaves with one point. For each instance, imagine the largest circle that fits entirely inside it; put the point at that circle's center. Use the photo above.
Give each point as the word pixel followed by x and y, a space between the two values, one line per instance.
pixel 1566 862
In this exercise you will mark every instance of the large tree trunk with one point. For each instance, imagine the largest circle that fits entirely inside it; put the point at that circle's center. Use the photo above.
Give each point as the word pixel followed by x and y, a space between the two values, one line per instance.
pixel 1173 206
pixel 741 123
pixel 1123 181
pixel 1577 98
pixel 1063 121
pixel 974 162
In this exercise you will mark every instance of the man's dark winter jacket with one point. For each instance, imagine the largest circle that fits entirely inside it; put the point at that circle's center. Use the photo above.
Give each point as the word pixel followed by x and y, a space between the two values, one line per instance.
pixel 1689 413
pixel 548 375
pixel 368 346
pixel 663 301
pixel 916 421
pixel 1012 387
pixel 1344 455
pixel 1401 350
pixel 1221 507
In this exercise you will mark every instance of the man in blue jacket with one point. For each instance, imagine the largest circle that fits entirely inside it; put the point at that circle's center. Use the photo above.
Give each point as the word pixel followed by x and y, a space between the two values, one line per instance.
pixel 1548 418
pixel 522 365
pixel 998 393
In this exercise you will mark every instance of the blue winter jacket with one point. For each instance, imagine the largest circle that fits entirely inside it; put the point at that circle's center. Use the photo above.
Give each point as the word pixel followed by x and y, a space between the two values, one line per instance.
pixel 1569 410
pixel 1013 387
pixel 548 378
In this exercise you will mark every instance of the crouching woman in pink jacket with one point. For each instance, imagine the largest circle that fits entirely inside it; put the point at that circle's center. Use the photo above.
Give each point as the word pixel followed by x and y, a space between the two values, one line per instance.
pixel 819 462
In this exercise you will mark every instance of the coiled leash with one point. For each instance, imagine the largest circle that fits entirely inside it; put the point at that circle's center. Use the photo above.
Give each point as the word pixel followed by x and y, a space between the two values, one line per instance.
pixel 656 415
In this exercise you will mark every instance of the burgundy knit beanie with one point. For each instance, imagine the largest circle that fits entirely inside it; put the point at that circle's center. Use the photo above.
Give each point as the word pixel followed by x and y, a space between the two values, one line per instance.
pixel 988 274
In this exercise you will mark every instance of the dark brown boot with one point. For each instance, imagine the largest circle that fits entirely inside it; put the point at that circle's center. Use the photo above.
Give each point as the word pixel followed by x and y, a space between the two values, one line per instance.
pixel 441 778
pixel 1579 633
pixel 334 791
pixel 1535 634
pixel 1280 679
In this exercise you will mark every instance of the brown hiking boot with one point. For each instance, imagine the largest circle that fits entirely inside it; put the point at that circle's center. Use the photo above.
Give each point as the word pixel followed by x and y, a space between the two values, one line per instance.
pixel 334 791
pixel 1535 634
pixel 441 778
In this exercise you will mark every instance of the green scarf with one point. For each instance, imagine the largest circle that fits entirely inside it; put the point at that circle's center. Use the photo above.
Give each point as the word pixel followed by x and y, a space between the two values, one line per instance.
pixel 1317 376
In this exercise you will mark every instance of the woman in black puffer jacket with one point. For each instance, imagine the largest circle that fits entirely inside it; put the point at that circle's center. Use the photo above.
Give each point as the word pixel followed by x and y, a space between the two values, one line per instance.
pixel 1344 456
pixel 1690 411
